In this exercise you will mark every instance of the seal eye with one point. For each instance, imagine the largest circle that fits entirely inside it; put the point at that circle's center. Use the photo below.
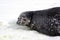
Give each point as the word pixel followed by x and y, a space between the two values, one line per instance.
pixel 24 19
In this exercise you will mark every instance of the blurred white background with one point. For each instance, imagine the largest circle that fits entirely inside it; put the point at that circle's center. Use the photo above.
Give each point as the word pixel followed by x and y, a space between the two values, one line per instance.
pixel 10 10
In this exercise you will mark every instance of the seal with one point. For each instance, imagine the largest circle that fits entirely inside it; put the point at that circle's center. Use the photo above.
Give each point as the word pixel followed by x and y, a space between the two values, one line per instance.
pixel 45 21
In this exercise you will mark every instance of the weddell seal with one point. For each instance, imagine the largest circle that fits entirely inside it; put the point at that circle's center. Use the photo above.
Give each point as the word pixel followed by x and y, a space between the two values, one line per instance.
pixel 45 21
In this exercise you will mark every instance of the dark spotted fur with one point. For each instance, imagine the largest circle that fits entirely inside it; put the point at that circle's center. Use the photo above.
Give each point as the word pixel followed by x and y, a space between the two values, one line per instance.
pixel 44 21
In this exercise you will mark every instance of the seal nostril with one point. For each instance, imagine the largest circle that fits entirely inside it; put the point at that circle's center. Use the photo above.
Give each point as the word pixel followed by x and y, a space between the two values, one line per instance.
pixel 18 22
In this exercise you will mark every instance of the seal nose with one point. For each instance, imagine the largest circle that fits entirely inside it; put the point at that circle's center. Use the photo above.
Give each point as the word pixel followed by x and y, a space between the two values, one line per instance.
pixel 18 22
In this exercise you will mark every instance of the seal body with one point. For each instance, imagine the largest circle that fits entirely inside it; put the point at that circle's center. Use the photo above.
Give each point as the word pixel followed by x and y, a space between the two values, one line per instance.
pixel 44 21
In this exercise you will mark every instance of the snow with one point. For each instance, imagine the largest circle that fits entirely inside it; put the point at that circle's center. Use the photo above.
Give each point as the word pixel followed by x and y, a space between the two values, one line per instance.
pixel 9 12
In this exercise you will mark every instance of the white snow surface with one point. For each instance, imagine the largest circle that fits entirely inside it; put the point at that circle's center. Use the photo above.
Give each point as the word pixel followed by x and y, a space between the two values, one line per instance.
pixel 9 12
